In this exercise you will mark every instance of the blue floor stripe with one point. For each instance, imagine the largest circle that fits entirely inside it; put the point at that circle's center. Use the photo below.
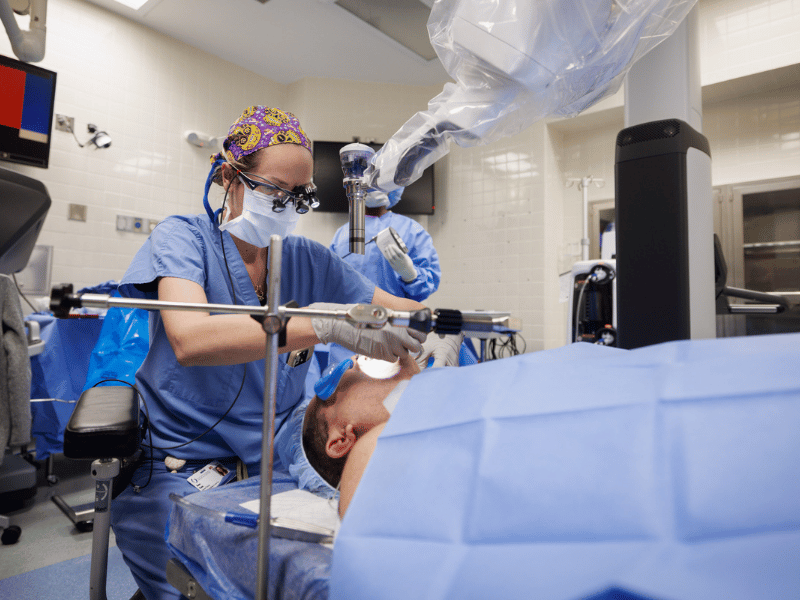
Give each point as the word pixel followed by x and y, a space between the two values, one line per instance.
pixel 69 580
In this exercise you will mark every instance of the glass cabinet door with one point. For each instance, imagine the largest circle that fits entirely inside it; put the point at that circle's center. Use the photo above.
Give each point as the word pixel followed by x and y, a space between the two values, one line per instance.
pixel 758 224
pixel 771 241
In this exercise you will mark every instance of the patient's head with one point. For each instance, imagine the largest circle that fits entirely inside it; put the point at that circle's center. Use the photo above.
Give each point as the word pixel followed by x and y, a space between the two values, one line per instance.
pixel 331 427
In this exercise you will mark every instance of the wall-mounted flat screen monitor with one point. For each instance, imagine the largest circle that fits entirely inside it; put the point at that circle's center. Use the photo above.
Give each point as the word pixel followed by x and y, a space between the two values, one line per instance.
pixel 418 198
pixel 26 112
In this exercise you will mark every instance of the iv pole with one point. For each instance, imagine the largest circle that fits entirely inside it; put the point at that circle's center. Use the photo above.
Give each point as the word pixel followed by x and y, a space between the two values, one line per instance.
pixel 583 185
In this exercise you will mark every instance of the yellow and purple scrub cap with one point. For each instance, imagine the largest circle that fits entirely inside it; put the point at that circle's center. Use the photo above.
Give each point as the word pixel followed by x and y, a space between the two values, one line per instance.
pixel 257 127
pixel 261 127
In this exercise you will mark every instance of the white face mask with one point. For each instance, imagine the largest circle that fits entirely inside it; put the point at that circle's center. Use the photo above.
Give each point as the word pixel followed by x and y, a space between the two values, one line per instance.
pixel 258 222
pixel 375 199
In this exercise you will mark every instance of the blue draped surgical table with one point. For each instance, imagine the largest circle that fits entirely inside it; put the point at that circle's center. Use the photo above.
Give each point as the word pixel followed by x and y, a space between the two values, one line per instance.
pixel 670 472
pixel 221 556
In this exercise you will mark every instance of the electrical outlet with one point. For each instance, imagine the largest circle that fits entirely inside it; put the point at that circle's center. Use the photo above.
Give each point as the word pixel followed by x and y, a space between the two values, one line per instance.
pixel 64 123
pixel 132 224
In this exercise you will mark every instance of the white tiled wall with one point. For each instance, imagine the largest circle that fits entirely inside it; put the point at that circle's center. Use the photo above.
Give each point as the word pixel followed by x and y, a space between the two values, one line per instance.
pixel 505 223
pixel 752 138
pixel 743 37
pixel 146 90
pixel 756 137
pixel 112 73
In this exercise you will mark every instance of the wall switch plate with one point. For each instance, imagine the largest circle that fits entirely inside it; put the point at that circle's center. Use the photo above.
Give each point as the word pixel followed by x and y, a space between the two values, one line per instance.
pixel 77 212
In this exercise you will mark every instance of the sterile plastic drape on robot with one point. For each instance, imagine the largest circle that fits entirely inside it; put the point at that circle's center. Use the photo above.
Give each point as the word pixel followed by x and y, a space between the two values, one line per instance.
pixel 517 61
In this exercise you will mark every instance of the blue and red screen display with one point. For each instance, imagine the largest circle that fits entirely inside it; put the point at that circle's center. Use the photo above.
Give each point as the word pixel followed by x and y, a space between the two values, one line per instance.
pixel 25 103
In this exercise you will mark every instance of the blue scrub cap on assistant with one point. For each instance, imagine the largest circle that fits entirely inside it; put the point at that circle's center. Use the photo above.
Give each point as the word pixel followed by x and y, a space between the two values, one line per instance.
pixel 394 196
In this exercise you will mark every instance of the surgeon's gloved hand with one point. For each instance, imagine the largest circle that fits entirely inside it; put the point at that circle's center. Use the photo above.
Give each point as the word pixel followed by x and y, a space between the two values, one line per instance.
pixel 387 343
pixel 443 348
pixel 401 263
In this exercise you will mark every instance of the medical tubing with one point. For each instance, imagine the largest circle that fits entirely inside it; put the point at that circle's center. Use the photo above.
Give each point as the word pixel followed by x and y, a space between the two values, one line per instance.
pixel 19 291
pixel 578 306
pixel 147 415
pixel 209 180
pixel 506 348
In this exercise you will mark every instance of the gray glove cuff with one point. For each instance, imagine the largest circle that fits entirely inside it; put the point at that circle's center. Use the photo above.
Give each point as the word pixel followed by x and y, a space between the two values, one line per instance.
pixel 324 327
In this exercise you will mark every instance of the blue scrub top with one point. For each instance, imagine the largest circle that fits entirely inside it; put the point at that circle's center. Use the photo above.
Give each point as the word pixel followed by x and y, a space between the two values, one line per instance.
pixel 182 402
pixel 378 270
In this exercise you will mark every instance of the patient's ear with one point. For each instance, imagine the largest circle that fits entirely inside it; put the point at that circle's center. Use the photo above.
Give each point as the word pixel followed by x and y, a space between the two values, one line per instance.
pixel 340 441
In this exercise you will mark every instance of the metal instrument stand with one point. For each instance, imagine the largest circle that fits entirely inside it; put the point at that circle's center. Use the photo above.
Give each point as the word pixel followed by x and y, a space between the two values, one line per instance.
pixel 272 326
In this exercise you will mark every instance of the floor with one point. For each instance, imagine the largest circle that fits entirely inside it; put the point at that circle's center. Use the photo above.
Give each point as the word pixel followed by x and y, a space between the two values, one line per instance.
pixel 48 536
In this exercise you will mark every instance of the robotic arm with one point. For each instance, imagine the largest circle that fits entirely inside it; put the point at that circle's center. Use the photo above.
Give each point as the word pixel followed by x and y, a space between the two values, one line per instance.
pixel 515 62
pixel 27 45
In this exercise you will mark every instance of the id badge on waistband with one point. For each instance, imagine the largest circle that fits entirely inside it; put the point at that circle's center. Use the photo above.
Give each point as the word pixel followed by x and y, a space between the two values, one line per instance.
pixel 212 475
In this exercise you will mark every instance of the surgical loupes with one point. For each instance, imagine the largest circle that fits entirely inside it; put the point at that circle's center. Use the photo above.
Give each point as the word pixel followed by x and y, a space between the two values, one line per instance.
pixel 355 159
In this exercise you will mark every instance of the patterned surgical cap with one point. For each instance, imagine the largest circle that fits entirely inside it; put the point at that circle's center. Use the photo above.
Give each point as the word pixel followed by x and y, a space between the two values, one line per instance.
pixel 260 127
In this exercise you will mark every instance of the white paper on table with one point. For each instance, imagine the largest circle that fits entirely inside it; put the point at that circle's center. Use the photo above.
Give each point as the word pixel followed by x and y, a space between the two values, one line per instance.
pixel 301 505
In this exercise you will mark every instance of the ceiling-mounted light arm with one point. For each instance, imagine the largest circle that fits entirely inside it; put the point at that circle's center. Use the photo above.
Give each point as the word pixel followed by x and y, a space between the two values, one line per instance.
pixel 28 45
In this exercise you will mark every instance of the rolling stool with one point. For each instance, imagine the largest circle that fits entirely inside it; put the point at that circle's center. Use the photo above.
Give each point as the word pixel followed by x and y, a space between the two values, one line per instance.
pixel 105 427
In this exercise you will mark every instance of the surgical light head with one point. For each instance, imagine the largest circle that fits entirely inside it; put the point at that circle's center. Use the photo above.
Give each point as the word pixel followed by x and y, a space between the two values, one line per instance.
pixel 355 159
pixel 376 368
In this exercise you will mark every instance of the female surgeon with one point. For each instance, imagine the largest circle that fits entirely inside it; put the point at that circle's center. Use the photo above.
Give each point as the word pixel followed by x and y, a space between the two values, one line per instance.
pixel 203 377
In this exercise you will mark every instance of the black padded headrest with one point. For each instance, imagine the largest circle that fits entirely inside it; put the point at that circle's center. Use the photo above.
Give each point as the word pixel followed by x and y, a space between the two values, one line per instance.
pixel 104 424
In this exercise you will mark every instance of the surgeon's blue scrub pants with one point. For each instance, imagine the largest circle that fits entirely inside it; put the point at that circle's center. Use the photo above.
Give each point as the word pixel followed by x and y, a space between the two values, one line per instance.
pixel 140 519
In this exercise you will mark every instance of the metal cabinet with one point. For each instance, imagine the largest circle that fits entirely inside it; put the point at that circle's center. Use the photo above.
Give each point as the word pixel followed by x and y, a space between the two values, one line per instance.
pixel 759 229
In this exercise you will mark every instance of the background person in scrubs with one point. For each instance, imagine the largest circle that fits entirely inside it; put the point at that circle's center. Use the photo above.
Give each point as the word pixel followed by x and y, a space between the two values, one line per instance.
pixel 203 377
pixel 414 275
